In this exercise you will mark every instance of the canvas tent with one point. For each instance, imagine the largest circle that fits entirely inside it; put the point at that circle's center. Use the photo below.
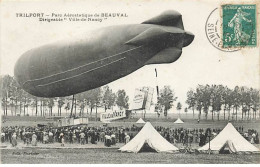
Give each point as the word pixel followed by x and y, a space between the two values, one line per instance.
pixel 229 139
pixel 178 121
pixel 148 137
pixel 140 121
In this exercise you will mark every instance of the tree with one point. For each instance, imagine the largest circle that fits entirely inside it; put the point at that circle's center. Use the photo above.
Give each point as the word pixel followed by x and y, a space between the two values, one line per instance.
pixel 245 100
pixel 35 104
pixel 191 100
pixel 93 99
pixel 206 93
pixel 50 105
pixel 237 99
pixel 109 98
pixel 186 111
pixel 43 104
pixel 227 100
pixel 26 101
pixel 202 97
pixel 6 81
pixel 166 99
pixel 13 93
pixel 198 98
pixel 67 106
pixel 60 104
pixel 20 94
pixel 122 99
pixel 179 106
pixel 250 101
pixel 82 102
pixel 255 101
pixel 216 98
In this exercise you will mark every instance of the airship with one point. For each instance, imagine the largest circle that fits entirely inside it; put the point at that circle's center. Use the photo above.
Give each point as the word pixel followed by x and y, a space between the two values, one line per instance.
pixel 101 56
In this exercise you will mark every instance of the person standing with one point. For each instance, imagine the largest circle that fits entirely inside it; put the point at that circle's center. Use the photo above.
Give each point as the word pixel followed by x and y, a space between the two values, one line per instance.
pixel 108 140
pixel 77 135
pixel 45 137
pixel 123 136
pixel 74 137
pixel 105 140
pixel 252 141
pixel 201 138
pixel 86 136
pixel 14 140
pixel 113 139
pixel 127 138
pixel 50 137
pixel 102 136
pixel 3 137
pixel 27 136
pixel 82 138
pixel 24 136
pixel 62 139
pixel 34 139
pixel 71 137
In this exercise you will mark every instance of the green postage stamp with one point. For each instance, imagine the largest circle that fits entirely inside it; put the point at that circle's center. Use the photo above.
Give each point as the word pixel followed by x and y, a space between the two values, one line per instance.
pixel 239 25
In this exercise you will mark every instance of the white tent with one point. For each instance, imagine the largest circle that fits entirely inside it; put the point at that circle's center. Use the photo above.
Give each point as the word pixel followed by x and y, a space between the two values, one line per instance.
pixel 229 138
pixel 178 121
pixel 150 138
pixel 140 121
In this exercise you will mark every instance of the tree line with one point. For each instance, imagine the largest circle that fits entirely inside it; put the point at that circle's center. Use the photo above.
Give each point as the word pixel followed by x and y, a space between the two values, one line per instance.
pixel 215 99
pixel 206 99
pixel 17 101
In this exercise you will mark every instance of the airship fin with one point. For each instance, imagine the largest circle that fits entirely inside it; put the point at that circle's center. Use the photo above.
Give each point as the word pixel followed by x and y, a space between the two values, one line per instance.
pixel 167 18
pixel 148 37
pixel 167 55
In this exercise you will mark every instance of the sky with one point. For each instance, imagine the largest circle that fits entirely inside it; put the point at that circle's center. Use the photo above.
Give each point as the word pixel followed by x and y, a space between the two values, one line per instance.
pixel 200 62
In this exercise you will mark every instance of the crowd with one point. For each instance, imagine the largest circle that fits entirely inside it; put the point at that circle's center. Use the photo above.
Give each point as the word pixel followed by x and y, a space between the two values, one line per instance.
pixel 110 135
pixel 201 136
pixel 76 134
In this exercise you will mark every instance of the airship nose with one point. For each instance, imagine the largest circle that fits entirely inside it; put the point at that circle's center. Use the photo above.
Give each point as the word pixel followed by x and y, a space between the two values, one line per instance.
pixel 188 38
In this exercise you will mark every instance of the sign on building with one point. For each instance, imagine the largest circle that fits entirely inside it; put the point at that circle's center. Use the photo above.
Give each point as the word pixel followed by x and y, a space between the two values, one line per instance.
pixel 112 115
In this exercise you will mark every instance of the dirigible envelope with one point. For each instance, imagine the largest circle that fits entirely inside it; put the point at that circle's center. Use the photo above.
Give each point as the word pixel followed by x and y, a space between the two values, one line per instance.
pixel 100 57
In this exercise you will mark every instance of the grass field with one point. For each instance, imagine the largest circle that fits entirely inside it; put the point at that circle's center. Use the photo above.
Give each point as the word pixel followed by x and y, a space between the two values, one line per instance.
pixel 189 122
pixel 107 156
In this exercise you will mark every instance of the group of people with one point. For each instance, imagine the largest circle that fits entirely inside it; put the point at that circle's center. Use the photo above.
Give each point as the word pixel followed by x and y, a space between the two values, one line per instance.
pixel 72 135
pixel 110 135
pixel 201 136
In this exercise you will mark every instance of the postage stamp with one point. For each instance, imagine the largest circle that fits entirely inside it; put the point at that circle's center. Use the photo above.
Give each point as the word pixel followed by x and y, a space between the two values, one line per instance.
pixel 239 25
pixel 213 31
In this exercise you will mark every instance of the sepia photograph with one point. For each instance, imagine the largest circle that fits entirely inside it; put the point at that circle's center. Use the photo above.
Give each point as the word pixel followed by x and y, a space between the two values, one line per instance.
pixel 130 82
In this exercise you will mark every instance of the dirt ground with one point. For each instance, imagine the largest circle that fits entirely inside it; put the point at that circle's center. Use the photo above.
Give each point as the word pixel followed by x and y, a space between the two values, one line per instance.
pixel 108 156
pixel 98 154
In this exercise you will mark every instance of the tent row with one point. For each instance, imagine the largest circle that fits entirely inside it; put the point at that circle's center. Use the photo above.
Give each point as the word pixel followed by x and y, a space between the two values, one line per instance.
pixel 229 139
pixel 141 121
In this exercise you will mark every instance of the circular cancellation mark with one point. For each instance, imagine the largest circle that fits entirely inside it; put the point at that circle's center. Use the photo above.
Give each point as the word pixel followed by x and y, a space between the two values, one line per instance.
pixel 213 31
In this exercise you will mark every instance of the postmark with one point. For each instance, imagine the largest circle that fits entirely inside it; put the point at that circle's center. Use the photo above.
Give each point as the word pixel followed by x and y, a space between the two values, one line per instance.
pixel 239 25
pixel 213 31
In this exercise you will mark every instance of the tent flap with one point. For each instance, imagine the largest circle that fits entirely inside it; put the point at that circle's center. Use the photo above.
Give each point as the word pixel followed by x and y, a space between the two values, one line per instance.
pixel 228 147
